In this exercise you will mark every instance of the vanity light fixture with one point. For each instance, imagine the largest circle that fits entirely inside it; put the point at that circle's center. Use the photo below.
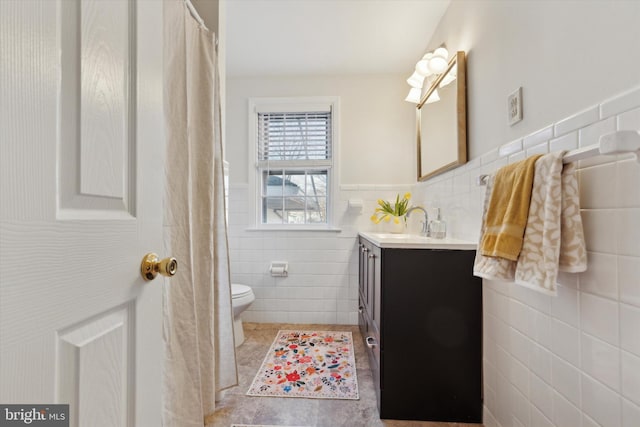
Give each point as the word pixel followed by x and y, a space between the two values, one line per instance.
pixel 439 60
pixel 422 67
pixel 451 76
pixel 431 63
pixel 434 97
pixel 414 95
pixel 416 80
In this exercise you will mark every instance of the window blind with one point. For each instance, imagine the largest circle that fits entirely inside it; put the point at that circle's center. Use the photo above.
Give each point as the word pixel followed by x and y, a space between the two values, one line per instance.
pixel 295 136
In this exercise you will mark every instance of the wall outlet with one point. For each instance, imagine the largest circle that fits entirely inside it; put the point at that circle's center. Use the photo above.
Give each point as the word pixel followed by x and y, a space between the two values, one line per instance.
pixel 514 106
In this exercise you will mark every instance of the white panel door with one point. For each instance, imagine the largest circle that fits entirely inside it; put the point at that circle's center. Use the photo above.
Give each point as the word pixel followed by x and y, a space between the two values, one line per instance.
pixel 81 174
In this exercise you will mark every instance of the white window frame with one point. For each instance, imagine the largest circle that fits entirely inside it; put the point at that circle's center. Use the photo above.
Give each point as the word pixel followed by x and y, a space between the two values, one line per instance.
pixel 293 104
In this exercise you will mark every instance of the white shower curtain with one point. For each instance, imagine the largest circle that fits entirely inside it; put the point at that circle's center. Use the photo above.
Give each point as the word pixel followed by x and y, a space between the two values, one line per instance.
pixel 198 318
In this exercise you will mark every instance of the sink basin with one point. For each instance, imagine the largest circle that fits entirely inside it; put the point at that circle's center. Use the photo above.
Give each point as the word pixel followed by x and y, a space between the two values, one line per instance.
pixel 415 241
pixel 398 236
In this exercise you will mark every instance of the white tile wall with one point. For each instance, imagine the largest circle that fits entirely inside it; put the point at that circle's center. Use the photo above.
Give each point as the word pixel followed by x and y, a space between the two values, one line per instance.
pixel 571 360
pixel 322 285
pixel 560 361
pixel 564 412
pixel 630 414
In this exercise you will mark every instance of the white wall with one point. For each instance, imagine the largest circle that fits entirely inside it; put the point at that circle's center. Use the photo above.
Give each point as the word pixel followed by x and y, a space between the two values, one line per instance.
pixel 211 12
pixel 565 54
pixel 377 142
pixel 376 159
pixel 571 360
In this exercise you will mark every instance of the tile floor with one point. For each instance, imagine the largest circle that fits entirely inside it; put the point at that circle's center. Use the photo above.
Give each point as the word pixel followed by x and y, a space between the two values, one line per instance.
pixel 237 408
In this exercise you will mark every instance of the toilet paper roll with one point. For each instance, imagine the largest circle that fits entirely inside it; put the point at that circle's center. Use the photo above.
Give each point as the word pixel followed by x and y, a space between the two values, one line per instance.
pixel 278 271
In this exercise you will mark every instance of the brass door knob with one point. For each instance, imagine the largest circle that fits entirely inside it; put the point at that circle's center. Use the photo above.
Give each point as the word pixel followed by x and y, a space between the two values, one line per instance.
pixel 151 266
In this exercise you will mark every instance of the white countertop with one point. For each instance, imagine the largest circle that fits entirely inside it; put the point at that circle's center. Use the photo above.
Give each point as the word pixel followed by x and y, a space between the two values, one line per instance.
pixel 413 241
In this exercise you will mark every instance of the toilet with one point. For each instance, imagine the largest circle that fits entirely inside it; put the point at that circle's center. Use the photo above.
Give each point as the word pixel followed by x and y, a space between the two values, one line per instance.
pixel 241 298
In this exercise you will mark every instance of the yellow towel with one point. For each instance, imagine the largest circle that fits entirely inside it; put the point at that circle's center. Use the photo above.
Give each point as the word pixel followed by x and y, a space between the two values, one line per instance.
pixel 553 238
pixel 508 210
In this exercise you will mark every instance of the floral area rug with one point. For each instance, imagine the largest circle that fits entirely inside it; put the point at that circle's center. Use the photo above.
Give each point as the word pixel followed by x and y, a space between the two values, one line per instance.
pixel 314 364
pixel 254 425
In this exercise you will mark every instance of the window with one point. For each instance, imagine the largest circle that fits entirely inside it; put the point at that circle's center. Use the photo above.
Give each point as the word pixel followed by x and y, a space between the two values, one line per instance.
pixel 294 143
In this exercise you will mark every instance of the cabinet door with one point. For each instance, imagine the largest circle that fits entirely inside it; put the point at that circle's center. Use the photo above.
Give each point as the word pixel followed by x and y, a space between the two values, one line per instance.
pixel 375 282
pixel 371 277
pixel 363 270
pixel 433 305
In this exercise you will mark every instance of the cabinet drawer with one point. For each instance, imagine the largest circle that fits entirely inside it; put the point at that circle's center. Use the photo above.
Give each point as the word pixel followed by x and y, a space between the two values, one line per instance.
pixel 372 342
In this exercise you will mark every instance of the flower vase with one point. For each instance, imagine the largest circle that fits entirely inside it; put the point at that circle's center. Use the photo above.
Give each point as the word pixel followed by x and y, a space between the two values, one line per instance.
pixel 396 225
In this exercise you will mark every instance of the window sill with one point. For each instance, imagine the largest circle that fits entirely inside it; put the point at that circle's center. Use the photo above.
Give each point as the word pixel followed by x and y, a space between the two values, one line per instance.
pixel 294 228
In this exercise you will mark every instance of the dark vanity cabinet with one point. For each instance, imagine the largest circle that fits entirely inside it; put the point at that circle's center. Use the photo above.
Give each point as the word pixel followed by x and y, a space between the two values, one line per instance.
pixel 421 318
pixel 369 305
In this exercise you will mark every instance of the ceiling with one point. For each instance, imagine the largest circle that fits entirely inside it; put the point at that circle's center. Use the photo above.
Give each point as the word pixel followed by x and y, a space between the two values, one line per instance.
pixel 328 37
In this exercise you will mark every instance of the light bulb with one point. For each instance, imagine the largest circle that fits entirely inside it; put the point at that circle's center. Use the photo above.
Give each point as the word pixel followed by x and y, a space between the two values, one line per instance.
pixel 422 67
pixel 438 61
pixel 414 95
pixel 416 80
pixel 441 51
pixel 437 64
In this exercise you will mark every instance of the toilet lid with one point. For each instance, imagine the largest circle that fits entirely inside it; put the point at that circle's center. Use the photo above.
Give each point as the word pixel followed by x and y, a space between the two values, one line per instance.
pixel 238 290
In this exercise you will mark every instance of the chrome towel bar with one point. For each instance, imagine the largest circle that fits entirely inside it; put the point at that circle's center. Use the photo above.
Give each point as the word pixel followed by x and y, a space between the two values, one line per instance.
pixel 619 142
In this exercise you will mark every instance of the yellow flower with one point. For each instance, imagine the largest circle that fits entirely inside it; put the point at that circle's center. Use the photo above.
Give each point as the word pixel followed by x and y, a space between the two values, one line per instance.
pixel 396 220
pixel 386 210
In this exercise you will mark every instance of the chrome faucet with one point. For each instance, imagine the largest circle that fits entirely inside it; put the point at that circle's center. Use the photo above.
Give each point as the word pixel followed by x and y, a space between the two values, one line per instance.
pixel 425 223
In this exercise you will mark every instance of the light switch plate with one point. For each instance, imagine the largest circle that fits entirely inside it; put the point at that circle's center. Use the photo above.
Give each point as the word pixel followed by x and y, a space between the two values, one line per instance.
pixel 514 106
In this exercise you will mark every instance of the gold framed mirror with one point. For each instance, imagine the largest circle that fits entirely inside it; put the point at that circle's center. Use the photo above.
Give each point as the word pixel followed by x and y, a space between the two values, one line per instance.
pixel 441 121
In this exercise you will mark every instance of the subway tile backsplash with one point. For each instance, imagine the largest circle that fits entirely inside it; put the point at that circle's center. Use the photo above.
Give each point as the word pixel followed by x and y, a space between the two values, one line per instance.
pixel 560 361
pixel 579 348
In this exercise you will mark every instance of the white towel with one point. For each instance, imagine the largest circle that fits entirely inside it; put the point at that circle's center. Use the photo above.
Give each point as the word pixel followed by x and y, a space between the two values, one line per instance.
pixel 573 250
pixel 553 239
